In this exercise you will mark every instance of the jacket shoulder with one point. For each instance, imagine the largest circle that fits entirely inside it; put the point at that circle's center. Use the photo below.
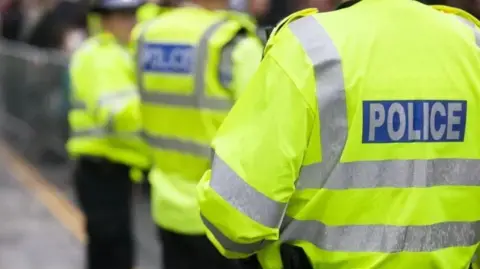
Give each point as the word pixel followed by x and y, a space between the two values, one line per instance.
pixel 286 21
pixel 87 47
pixel 462 14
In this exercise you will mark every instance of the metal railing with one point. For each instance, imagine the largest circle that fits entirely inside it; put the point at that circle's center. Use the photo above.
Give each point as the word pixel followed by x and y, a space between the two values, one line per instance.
pixel 34 104
pixel 34 101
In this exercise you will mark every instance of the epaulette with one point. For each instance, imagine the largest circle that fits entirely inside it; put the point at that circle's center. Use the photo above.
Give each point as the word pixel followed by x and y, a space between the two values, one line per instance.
pixel 457 12
pixel 292 17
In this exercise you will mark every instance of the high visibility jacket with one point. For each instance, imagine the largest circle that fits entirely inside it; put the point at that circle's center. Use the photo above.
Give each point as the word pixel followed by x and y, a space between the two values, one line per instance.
pixel 149 11
pixel 357 140
pixel 105 114
pixel 188 83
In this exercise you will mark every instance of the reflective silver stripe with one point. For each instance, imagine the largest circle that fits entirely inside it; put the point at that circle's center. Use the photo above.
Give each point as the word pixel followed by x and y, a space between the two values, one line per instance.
pixel 252 203
pixel 77 104
pixel 384 238
pixel 116 97
pixel 226 61
pixel 139 57
pixel 231 245
pixel 198 99
pixel 331 97
pixel 396 173
pixel 116 101
pixel 175 144
pixel 92 132
pixel 475 29
pixel 99 133
pixel 190 101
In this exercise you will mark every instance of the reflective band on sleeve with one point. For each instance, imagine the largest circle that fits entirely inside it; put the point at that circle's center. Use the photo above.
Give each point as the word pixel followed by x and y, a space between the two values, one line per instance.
pixel 77 104
pixel 118 96
pixel 92 132
pixel 475 29
pixel 330 92
pixel 226 61
pixel 243 197
pixel 100 133
pixel 383 238
pixel 168 143
pixel 392 173
pixel 231 245
pixel 198 99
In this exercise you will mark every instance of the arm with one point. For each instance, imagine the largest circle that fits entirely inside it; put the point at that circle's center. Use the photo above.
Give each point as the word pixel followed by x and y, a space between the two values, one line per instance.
pixel 259 150
pixel 116 99
pixel 105 87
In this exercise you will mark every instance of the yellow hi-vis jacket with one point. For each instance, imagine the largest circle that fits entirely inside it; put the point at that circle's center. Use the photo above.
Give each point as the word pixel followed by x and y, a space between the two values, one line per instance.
pixel 105 110
pixel 356 140
pixel 192 65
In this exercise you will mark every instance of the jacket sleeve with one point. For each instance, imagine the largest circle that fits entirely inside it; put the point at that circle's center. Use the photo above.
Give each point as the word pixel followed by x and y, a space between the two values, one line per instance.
pixel 258 153
pixel 116 99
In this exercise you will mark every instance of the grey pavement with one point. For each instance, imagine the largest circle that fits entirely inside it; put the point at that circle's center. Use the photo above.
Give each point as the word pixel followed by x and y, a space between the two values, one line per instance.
pixel 148 251
pixel 31 238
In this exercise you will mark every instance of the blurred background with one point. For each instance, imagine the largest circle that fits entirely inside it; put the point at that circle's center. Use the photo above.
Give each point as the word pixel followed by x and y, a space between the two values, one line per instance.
pixel 37 38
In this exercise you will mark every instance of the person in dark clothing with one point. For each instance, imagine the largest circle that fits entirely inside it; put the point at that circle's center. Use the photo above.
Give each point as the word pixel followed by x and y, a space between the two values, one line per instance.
pixel 49 29
pixel 12 21
pixel 53 27
pixel 277 11
pixel 104 194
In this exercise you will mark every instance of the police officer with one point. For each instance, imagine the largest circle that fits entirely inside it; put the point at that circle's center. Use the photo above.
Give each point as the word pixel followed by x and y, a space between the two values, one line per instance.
pixel 105 124
pixel 355 143
pixel 193 63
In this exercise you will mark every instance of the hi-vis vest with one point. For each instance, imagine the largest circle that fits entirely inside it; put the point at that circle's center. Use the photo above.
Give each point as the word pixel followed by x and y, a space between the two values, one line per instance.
pixel 184 86
pixel 382 169
pixel 104 116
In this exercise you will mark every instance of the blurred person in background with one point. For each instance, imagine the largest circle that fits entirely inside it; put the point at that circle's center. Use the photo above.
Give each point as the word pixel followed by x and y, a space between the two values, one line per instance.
pixel 193 63
pixel 21 17
pixel 321 5
pixel 53 24
pixel 153 8
pixel 276 11
pixel 105 123
pixel 63 26
pixel 255 9
pixel 149 9
pixel 249 12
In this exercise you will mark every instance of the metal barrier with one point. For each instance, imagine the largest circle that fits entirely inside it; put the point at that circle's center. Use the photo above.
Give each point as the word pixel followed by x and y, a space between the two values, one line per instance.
pixel 34 98
pixel 34 104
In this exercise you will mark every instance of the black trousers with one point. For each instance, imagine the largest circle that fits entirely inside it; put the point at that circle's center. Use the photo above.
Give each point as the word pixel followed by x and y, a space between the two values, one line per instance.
pixel 104 190
pixel 191 252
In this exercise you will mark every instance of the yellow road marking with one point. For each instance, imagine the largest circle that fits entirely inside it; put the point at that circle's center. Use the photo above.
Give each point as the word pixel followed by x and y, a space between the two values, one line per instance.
pixel 67 213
